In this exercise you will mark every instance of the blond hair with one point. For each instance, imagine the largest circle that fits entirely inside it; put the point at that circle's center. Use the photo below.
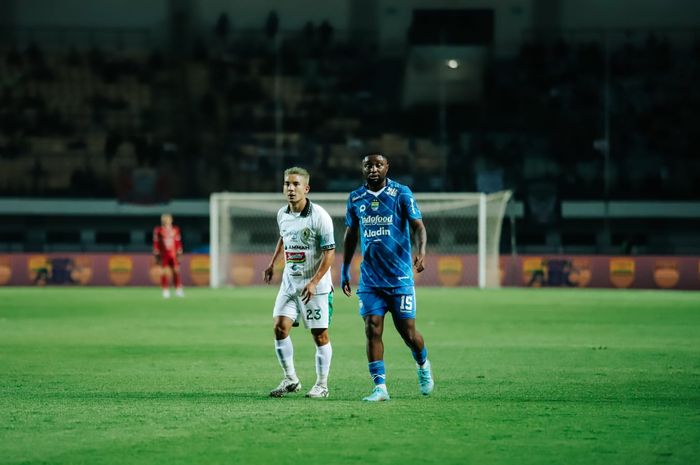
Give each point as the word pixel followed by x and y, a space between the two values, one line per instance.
pixel 297 170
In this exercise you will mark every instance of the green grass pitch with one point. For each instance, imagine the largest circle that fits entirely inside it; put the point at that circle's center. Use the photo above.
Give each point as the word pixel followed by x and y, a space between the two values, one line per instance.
pixel 121 376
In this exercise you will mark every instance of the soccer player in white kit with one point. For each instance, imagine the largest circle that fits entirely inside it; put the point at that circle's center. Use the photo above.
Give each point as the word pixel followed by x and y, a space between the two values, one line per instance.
pixel 306 291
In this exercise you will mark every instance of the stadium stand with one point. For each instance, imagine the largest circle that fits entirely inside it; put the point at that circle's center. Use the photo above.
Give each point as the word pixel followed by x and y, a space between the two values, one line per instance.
pixel 106 122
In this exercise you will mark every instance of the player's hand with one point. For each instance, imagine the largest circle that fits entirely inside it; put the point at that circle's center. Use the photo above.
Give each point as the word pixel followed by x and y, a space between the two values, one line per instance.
pixel 418 262
pixel 268 273
pixel 345 279
pixel 347 290
pixel 308 292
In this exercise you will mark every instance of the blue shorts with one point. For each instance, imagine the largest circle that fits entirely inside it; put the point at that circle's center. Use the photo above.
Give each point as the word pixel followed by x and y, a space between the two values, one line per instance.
pixel 400 301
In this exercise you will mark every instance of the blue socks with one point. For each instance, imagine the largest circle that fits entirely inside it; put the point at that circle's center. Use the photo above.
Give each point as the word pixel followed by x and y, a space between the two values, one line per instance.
pixel 376 371
pixel 420 357
pixel 378 374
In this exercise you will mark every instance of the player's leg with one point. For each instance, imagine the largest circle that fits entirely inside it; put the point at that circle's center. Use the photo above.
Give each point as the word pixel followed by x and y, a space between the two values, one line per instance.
pixel 164 265
pixel 324 355
pixel 374 330
pixel 283 317
pixel 177 278
pixel 316 316
pixel 403 312
pixel 411 337
pixel 372 309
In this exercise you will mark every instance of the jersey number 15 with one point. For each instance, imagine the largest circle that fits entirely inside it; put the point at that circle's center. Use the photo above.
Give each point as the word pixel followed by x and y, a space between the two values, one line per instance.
pixel 406 303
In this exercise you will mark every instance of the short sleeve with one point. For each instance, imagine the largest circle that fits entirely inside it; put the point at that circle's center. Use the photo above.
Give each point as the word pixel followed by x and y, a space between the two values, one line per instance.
pixel 409 205
pixel 351 220
pixel 325 231
pixel 280 212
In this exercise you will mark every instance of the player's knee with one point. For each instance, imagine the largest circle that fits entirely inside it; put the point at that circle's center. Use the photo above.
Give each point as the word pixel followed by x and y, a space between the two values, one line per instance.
pixel 280 331
pixel 320 337
pixel 410 335
pixel 373 331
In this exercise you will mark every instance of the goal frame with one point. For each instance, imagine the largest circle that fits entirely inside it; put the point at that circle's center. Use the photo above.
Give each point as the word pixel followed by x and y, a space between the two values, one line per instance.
pixel 215 223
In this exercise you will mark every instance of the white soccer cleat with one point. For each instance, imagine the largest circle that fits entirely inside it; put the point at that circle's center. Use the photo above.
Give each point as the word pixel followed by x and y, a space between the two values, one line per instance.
pixel 166 293
pixel 379 394
pixel 425 379
pixel 286 385
pixel 179 292
pixel 318 392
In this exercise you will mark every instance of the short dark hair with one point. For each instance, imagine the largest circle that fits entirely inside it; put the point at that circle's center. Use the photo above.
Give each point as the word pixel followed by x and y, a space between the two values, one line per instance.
pixel 373 151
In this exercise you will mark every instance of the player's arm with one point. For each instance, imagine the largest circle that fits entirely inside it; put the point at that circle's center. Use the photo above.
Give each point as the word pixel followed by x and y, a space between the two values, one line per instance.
pixel 178 244
pixel 270 270
pixel 310 288
pixel 420 238
pixel 156 246
pixel 349 245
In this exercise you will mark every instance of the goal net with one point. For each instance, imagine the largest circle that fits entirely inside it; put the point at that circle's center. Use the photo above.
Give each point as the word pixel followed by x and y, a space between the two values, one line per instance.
pixel 244 226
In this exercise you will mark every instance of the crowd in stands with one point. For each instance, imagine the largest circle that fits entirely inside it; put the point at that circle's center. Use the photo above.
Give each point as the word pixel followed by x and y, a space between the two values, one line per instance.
pixel 232 112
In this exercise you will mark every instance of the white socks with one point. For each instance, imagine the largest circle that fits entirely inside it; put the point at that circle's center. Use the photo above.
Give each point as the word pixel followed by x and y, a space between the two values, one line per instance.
pixel 285 354
pixel 323 363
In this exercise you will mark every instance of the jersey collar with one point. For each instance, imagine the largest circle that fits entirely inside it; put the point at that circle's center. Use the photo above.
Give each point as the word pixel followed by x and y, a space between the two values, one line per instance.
pixel 305 211
pixel 388 183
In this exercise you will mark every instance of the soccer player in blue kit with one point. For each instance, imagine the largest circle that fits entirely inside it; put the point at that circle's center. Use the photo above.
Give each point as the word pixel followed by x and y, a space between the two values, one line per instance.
pixel 384 214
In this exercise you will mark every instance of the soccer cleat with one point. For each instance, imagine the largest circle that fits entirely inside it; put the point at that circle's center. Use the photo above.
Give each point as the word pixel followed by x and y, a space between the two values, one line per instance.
pixel 179 292
pixel 285 386
pixel 318 392
pixel 166 293
pixel 379 394
pixel 425 379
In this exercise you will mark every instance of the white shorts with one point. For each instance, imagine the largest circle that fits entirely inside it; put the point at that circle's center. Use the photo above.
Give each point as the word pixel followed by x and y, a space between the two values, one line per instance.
pixel 315 315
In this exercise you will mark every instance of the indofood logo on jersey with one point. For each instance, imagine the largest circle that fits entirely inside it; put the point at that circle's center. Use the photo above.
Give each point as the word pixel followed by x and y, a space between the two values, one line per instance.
pixel 377 220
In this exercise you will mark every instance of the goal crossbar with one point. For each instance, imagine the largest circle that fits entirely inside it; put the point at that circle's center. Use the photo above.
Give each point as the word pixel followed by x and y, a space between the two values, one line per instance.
pixel 465 223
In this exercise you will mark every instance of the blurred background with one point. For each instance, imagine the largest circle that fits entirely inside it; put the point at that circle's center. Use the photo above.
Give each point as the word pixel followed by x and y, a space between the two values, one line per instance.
pixel 112 112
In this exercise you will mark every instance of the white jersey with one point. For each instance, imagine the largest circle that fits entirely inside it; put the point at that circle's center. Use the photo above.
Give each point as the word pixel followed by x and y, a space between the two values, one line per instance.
pixel 305 235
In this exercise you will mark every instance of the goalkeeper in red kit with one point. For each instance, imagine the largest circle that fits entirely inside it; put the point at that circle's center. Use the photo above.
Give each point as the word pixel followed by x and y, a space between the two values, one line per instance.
pixel 167 250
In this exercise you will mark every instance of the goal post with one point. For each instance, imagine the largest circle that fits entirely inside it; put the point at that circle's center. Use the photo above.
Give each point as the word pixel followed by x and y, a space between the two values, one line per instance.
pixel 458 224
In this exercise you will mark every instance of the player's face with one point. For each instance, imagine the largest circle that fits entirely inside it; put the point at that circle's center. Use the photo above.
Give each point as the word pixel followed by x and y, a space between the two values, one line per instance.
pixel 374 169
pixel 295 188
pixel 166 221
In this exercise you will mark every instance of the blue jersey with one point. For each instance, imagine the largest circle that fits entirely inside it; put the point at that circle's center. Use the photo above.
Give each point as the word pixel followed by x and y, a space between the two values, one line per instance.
pixel 382 220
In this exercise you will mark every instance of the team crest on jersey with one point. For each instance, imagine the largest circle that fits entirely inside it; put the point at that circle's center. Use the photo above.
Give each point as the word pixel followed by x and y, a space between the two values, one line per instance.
pixel 305 235
pixel 374 205
pixel 392 191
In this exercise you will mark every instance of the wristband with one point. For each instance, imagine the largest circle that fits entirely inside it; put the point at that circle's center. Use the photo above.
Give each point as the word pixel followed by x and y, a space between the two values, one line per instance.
pixel 345 273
